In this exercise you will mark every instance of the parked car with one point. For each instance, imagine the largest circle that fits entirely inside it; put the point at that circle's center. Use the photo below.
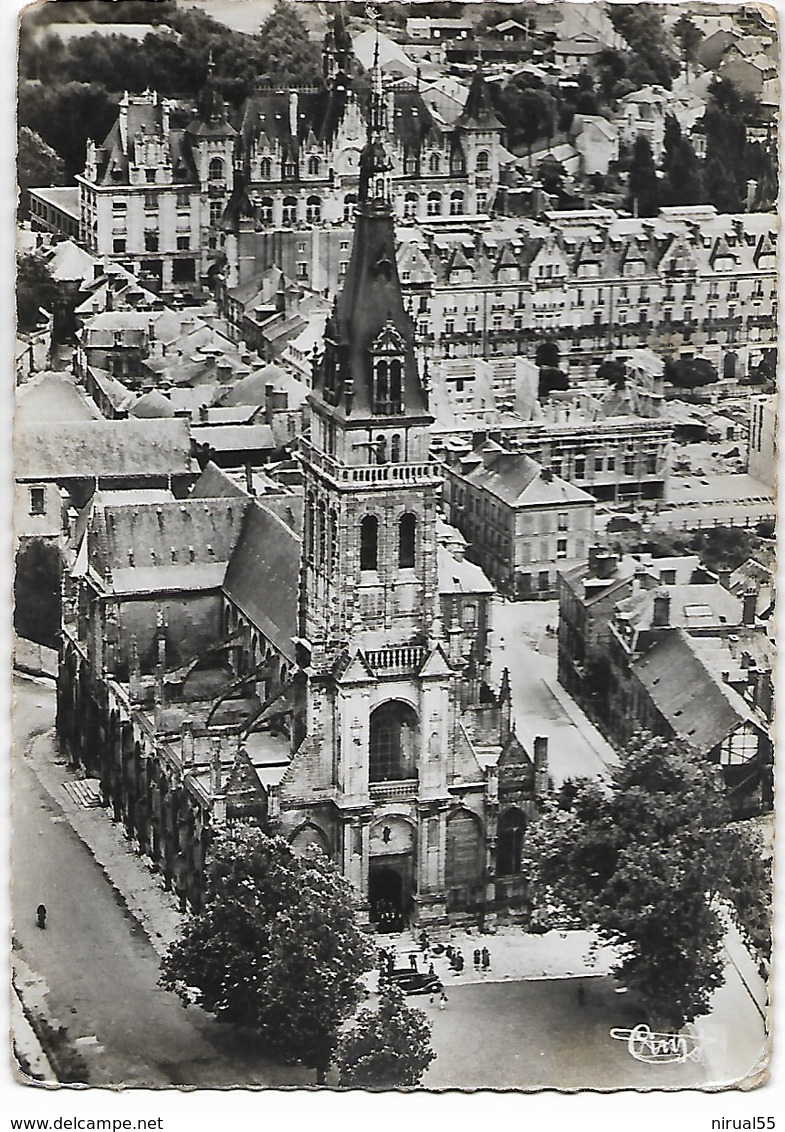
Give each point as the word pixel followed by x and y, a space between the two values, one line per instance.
pixel 415 982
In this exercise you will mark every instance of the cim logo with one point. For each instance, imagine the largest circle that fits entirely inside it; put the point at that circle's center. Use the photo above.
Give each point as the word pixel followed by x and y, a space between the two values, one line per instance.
pixel 645 1045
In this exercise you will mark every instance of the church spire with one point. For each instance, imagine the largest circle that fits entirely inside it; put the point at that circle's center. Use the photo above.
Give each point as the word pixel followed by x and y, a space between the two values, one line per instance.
pixel 375 188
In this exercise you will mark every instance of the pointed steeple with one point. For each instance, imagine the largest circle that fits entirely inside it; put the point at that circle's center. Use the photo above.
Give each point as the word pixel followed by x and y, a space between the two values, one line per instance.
pixel 478 113
pixel 337 55
pixel 369 367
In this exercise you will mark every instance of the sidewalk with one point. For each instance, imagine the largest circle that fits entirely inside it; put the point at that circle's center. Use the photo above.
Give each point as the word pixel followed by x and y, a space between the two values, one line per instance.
pixel 515 955
pixel 130 875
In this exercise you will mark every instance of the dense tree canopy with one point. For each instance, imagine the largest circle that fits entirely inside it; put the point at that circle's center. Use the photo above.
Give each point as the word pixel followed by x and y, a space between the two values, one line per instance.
pixel 386 1048
pixel 689 373
pixel 36 290
pixel 36 164
pixel 37 592
pixel 643 186
pixel 276 949
pixel 652 863
pixel 65 116
pixel 643 29
pixel 683 177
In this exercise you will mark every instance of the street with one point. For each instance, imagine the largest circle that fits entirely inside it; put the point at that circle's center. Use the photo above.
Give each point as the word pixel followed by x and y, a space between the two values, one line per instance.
pixel 522 643
pixel 98 967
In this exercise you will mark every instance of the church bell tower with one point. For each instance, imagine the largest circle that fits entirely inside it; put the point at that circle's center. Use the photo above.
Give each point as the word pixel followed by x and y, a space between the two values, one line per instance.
pixel 371 763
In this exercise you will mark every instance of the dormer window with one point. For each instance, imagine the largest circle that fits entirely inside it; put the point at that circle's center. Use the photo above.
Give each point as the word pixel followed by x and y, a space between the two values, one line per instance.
pixel 215 170
pixel 265 169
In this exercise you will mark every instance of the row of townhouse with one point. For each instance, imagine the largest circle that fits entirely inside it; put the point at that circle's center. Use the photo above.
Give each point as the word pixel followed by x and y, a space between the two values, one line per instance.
pixel 688 282
pixel 658 644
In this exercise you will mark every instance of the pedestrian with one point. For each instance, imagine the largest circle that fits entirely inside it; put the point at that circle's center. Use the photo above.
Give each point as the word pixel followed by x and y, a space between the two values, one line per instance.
pixel 486 959
pixel 442 999
pixel 413 960
pixel 431 970
pixel 477 957
pixel 449 951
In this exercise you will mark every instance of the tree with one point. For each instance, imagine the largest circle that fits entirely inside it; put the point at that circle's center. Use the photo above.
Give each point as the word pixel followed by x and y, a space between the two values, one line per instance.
pixel 528 110
pixel 613 371
pixel 35 290
pixel 37 592
pixel 652 864
pixel 36 164
pixel 688 36
pixel 644 188
pixel 289 54
pixel 689 373
pixel 276 949
pixel 683 176
pixel 642 27
pixel 386 1048
pixel 65 116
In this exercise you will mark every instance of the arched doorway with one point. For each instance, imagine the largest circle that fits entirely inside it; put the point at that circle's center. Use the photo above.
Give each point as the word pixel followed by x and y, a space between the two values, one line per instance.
pixel 391 873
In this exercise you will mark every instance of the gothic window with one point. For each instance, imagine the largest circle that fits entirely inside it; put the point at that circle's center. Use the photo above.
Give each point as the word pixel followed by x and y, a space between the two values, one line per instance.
pixel 457 163
pixel 512 826
pixel 434 163
pixel 483 161
pixel 314 166
pixel 482 201
pixel 265 169
pixel 313 210
pixel 434 204
pixel 266 210
pixel 369 543
pixel 407 530
pixel 379 450
pixel 215 170
pixel 393 742
pixel 410 205
pixel 289 170
pixel 349 205
pixel 410 165
pixel 395 449
pixel 289 210
pixel 456 203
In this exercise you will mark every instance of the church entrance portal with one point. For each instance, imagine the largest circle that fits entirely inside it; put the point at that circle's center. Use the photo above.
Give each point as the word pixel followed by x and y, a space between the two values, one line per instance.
pixel 389 893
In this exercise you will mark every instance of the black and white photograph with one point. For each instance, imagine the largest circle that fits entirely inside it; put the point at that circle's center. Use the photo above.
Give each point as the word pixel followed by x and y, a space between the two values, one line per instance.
pixel 394 459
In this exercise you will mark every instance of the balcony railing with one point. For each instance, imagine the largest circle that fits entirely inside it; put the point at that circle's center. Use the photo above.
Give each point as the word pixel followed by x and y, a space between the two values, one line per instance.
pixel 396 659
pixel 370 475
pixel 392 791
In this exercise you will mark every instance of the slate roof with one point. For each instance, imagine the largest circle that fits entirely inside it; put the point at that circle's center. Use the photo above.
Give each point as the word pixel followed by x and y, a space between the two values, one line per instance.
pixel 517 480
pixel 262 576
pixel 692 698
pixel 87 449
pixel 701 606
pixel 162 546
pixel 214 483
pixel 457 576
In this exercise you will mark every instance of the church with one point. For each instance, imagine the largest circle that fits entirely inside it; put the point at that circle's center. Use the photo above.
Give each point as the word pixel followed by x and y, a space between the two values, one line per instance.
pixel 310 661
pixel 403 773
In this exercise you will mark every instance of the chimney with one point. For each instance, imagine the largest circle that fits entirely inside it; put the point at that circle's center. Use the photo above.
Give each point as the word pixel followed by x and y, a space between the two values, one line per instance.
pixel 546 474
pixel 540 766
pixel 293 108
pixel 224 372
pixel 750 601
pixel 249 484
pixel 723 577
pixel 216 774
pixel 606 565
pixel 662 610
pixel 187 744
